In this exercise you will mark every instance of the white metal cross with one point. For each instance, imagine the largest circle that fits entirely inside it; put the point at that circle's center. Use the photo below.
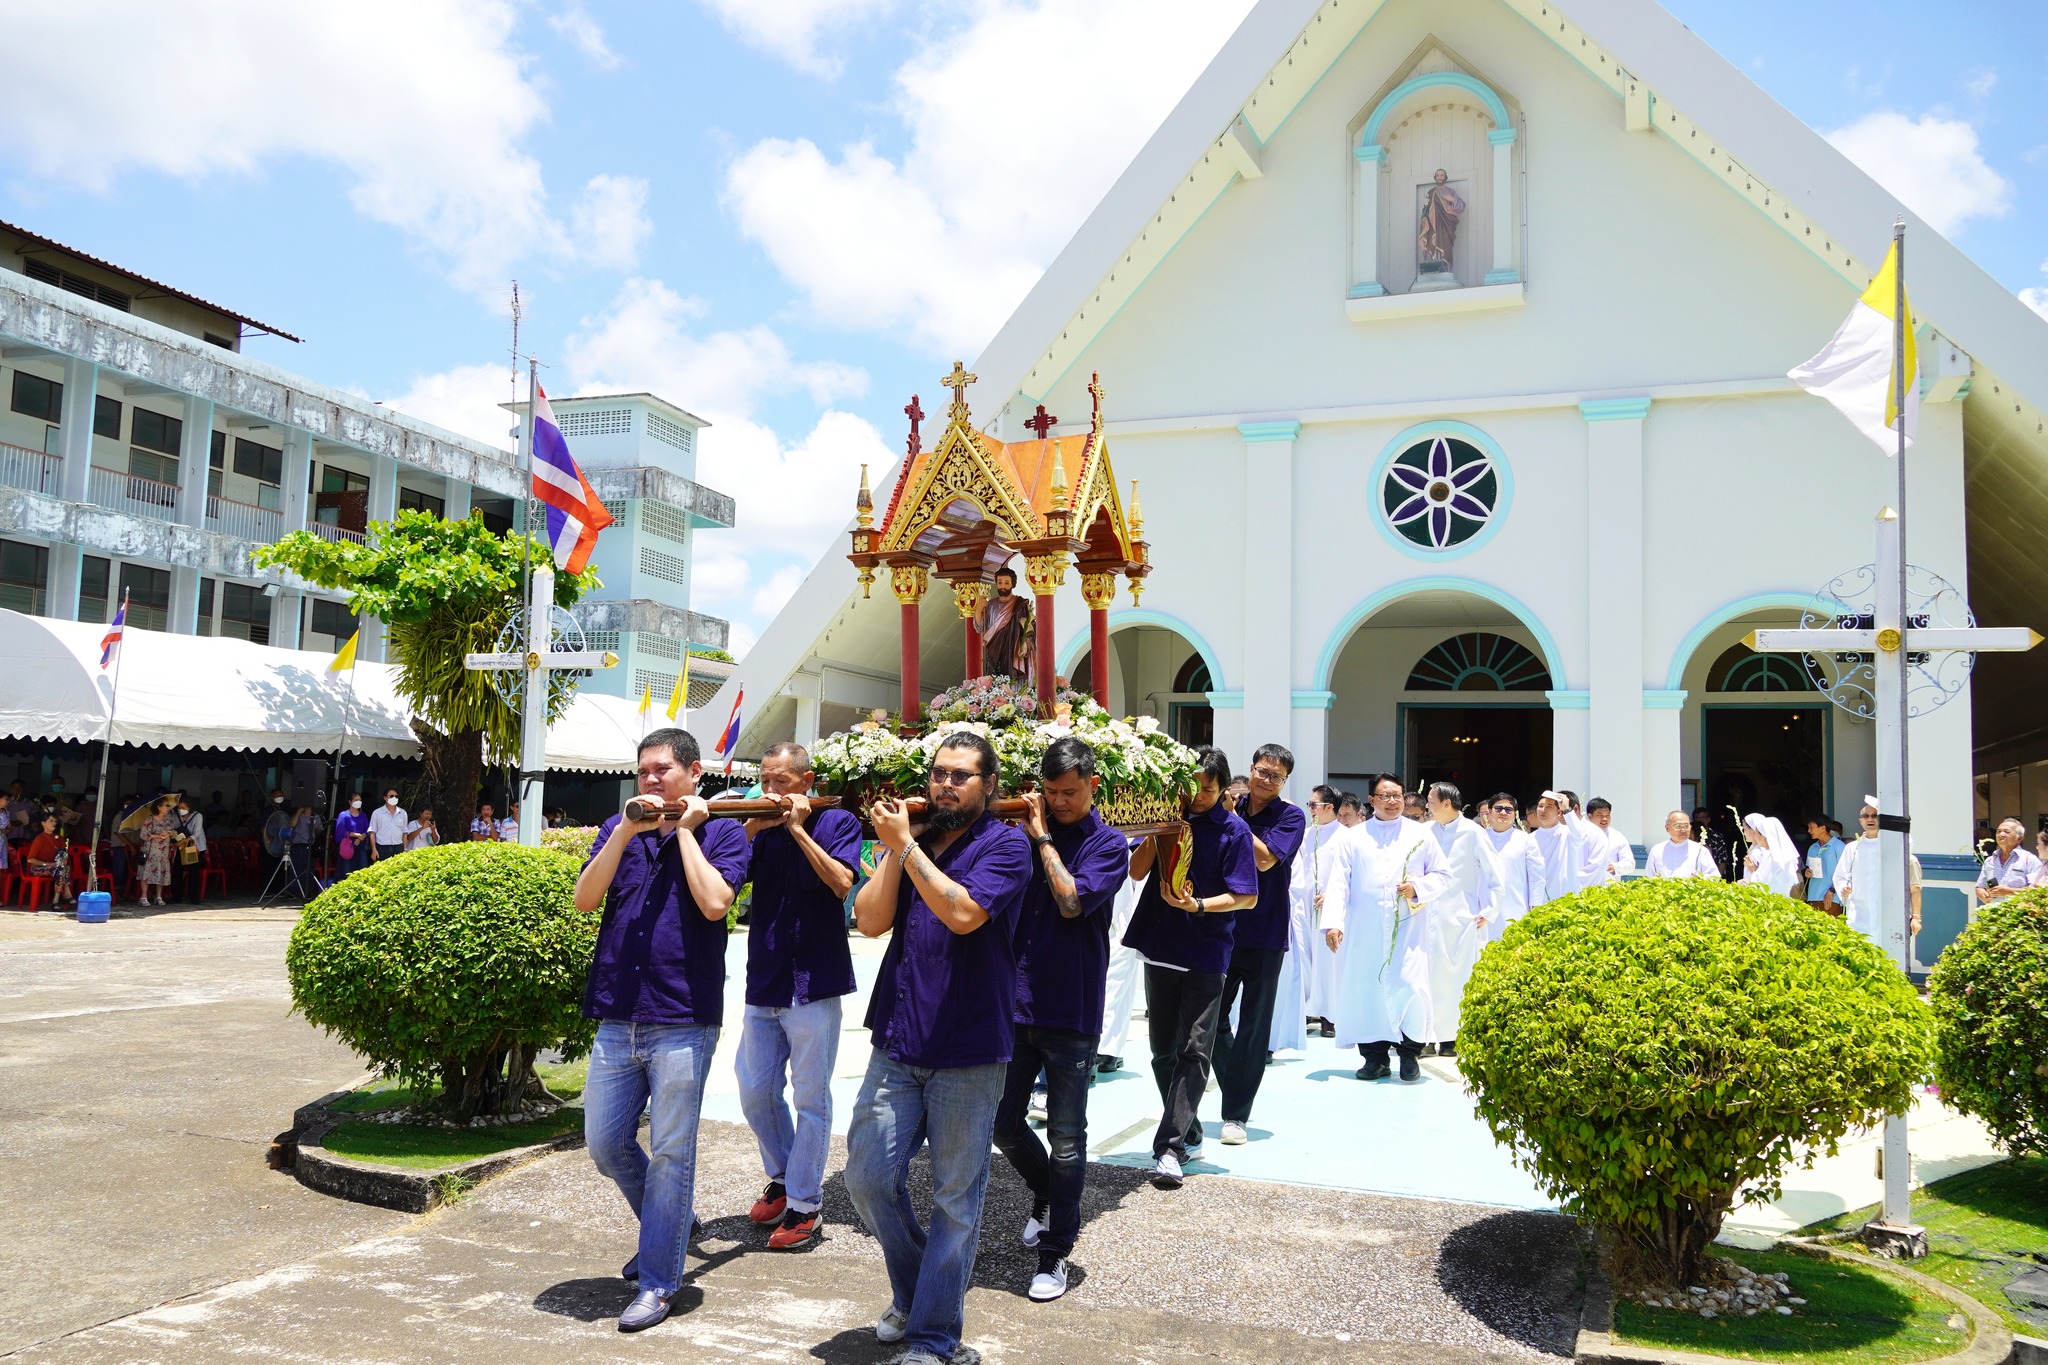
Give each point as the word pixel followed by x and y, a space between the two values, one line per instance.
pixel 1890 639
pixel 537 661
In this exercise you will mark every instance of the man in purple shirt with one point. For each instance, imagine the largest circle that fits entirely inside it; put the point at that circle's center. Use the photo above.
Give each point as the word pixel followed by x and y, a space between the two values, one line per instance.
pixel 798 966
pixel 1185 941
pixel 1258 944
pixel 657 990
pixel 941 1019
pixel 1062 943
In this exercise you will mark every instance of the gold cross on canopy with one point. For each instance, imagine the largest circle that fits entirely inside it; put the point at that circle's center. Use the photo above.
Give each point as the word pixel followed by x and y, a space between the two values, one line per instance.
pixel 958 382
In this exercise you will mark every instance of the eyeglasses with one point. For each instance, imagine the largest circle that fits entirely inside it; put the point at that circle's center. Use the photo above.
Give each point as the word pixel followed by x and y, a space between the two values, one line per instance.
pixel 951 777
pixel 1273 775
pixel 1318 805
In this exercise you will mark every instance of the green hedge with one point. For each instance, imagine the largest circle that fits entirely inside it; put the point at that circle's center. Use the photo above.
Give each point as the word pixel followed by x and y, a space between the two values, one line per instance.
pixel 1652 1048
pixel 451 968
pixel 1990 997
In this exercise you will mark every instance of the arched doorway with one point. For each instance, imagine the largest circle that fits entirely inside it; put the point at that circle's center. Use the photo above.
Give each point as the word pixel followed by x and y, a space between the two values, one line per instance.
pixel 1443 684
pixel 1156 670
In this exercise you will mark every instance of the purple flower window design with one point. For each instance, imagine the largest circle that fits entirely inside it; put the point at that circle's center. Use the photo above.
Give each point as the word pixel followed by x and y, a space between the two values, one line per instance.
pixel 1440 492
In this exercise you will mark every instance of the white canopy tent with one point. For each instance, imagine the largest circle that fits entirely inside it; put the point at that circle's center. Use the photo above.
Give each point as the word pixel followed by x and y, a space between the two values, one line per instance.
pixel 209 693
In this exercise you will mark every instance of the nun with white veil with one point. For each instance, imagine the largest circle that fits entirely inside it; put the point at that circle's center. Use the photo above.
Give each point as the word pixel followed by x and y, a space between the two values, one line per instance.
pixel 1773 859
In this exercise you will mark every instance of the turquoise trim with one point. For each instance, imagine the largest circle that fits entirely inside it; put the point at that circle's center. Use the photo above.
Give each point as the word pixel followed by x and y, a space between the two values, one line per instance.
pixel 1570 701
pixel 1369 152
pixel 1615 409
pixel 1663 701
pixel 1501 507
pixel 1722 615
pixel 1326 662
pixel 1502 137
pixel 1143 616
pixel 1502 277
pixel 1269 431
pixel 1371 289
pixel 1227 701
pixel 1457 80
pixel 1313 701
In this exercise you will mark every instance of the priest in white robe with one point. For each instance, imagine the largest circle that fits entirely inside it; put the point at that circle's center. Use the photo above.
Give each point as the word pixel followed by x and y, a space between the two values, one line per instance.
pixel 1520 862
pixel 1679 854
pixel 1859 880
pixel 1605 854
pixel 1382 872
pixel 1120 986
pixel 1457 916
pixel 1557 838
pixel 1308 978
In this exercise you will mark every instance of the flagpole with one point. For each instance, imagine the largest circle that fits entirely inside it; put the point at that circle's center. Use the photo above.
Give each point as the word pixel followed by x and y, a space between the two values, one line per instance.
pixel 539 588
pixel 92 856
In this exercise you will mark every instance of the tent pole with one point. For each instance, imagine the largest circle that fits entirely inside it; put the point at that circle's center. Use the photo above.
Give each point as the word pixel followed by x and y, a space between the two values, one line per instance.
pixel 92 855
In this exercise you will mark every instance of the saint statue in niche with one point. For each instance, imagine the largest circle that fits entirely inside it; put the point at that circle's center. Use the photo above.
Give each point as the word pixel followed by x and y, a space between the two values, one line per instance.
pixel 1437 235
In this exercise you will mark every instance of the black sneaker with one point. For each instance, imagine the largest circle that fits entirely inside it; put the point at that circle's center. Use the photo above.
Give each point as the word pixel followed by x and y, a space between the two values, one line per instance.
pixel 1051 1280
pixel 1411 1070
pixel 1376 1071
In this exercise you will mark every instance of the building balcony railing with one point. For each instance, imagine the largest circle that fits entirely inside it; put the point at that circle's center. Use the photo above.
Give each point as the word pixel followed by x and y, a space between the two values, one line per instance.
pixel 133 494
pixel 21 467
pixel 243 519
pixel 337 534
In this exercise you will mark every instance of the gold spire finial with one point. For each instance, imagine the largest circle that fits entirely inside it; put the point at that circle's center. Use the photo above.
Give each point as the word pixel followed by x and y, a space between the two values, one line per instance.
pixel 1137 513
pixel 864 503
pixel 1059 479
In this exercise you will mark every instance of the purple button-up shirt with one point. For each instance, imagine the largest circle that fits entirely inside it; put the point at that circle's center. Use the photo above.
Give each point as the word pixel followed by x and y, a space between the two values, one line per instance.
pixel 943 999
pixel 658 960
pixel 796 935
pixel 1223 865
pixel 1061 962
pixel 1280 826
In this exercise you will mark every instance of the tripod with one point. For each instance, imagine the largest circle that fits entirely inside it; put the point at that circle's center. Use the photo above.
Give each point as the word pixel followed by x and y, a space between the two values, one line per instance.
pixel 286 878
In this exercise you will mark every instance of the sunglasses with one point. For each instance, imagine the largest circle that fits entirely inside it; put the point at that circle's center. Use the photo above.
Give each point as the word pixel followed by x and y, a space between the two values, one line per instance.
pixel 1502 810
pixel 951 777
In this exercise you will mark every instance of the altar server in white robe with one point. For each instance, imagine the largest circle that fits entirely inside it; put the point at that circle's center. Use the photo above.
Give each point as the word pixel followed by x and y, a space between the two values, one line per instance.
pixel 1120 987
pixel 1520 861
pixel 1679 854
pixel 1457 917
pixel 1308 978
pixel 1773 859
pixel 1558 839
pixel 1605 854
pixel 1381 870
pixel 1859 879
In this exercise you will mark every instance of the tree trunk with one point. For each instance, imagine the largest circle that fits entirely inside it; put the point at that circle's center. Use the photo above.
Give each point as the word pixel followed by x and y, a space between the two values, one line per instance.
pixel 454 767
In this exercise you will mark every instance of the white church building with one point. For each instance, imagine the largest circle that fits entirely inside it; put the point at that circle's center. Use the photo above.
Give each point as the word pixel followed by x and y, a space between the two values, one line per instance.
pixel 1496 502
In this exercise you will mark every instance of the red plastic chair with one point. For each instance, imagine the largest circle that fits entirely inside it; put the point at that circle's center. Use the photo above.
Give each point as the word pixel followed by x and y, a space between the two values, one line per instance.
pixel 80 865
pixel 8 877
pixel 29 890
pixel 208 873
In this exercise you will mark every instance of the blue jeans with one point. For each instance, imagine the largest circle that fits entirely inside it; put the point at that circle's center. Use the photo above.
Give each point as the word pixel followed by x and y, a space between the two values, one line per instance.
pixel 899 1108
pixel 629 1065
pixel 1068 1058
pixel 805 1040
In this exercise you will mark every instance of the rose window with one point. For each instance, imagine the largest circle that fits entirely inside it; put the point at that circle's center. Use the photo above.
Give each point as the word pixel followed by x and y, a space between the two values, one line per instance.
pixel 1440 492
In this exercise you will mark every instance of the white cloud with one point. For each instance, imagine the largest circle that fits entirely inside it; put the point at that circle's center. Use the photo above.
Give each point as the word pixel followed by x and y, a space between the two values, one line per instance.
pixel 423 104
pixel 1932 165
pixel 943 243
pixel 780 587
pixel 791 29
pixel 2037 299
pixel 464 400
pixel 575 24
pixel 1980 81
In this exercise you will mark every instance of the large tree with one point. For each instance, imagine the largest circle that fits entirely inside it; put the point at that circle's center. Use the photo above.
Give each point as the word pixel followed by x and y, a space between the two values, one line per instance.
pixel 443 589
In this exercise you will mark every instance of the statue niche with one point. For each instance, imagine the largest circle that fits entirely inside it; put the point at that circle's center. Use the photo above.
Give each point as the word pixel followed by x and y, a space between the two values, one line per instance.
pixel 1436 236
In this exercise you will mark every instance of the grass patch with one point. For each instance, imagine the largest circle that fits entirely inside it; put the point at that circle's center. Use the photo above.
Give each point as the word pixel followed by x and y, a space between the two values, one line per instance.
pixel 563 1078
pixel 1984 1228
pixel 1851 1314
pixel 423 1148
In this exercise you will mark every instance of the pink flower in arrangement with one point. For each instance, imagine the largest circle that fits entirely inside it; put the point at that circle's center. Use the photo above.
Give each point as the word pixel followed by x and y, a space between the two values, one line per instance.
pixel 985 681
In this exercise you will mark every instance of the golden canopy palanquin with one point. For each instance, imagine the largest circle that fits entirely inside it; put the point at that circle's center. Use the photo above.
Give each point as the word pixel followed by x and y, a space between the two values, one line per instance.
pixel 962 509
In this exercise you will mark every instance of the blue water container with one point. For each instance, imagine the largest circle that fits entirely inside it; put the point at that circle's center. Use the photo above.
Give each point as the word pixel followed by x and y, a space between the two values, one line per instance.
pixel 93 906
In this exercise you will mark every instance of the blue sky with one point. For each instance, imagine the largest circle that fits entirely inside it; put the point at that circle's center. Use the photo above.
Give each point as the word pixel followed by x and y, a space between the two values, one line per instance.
pixel 785 215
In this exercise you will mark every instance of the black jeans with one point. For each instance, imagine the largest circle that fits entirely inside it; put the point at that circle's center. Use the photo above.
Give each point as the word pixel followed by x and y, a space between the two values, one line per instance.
pixel 1066 1057
pixel 1180 1020
pixel 1241 1057
pixel 1376 1053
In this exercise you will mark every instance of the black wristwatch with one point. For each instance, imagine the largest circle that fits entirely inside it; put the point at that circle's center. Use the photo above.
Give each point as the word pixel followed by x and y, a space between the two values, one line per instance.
pixel 1039 841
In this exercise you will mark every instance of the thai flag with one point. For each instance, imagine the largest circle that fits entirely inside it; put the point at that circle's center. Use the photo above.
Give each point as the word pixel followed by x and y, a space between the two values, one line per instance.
pixel 112 639
pixel 730 738
pixel 575 514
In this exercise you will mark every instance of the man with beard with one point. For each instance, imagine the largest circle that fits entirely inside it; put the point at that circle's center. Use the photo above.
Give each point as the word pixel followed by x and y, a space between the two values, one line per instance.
pixel 941 1016
pixel 1006 630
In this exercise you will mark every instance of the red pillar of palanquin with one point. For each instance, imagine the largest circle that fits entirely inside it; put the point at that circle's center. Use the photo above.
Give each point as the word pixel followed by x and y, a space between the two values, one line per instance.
pixel 967 600
pixel 1098 590
pixel 909 582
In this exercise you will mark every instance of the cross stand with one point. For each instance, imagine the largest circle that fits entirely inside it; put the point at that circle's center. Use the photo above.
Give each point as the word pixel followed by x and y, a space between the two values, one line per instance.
pixel 536 661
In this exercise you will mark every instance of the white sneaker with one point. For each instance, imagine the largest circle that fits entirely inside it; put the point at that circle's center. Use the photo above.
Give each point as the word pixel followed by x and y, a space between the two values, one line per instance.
pixel 1036 1111
pixel 1033 1226
pixel 1234 1135
pixel 1050 1282
pixel 892 1325
pixel 1166 1172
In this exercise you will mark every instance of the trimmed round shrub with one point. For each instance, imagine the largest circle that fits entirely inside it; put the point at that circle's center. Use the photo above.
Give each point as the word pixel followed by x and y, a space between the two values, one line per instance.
pixel 451 968
pixel 1650 1050
pixel 574 840
pixel 1990 997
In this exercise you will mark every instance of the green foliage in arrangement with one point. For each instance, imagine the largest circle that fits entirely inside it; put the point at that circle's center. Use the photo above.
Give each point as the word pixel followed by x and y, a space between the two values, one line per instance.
pixel 574 840
pixel 1990 997
pixel 1648 1050
pixel 451 968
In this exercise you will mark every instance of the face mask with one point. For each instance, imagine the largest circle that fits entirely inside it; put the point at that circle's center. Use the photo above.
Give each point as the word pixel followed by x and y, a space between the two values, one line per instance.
pixel 355 805
pixel 56 788
pixel 184 810
pixel 390 800
pixel 277 800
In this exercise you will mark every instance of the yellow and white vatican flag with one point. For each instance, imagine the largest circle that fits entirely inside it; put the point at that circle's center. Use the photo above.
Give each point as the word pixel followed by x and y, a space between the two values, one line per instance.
pixel 1854 371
